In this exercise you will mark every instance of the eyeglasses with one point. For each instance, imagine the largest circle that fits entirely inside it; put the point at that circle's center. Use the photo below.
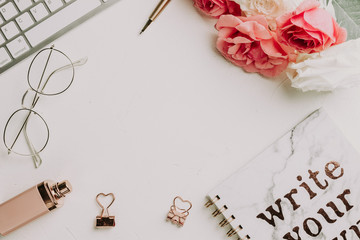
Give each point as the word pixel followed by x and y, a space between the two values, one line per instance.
pixel 50 73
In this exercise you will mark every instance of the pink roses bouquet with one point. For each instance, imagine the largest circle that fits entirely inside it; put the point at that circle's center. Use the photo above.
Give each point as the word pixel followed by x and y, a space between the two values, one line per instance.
pixel 275 36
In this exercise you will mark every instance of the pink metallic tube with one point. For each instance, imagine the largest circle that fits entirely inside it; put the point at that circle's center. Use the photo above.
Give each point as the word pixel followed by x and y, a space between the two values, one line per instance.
pixel 32 204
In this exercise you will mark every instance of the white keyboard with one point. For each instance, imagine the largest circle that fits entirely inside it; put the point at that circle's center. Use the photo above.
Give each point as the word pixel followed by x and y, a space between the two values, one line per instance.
pixel 28 25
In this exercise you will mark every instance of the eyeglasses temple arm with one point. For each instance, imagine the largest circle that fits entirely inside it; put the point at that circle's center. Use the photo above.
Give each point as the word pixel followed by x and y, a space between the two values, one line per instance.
pixel 34 154
pixel 77 63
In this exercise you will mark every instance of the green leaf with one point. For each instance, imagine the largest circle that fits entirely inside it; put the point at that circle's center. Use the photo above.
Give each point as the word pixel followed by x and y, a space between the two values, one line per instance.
pixel 348 16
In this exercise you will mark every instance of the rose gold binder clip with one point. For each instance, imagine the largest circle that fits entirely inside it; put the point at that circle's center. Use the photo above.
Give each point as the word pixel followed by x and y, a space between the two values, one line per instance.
pixel 105 220
pixel 178 215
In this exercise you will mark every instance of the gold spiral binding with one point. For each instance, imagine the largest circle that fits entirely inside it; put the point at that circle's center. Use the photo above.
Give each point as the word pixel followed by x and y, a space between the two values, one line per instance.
pixel 233 231
pixel 219 211
pixel 247 237
pixel 225 222
pixel 212 201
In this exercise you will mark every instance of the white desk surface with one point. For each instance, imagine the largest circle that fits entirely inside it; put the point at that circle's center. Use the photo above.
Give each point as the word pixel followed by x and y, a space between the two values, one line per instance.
pixel 150 117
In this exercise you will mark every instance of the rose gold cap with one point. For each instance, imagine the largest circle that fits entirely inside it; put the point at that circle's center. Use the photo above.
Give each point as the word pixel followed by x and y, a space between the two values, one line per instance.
pixel 64 187
pixel 53 194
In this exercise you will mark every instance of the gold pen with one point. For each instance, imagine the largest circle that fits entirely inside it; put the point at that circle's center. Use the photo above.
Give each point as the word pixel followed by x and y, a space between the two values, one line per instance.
pixel 162 4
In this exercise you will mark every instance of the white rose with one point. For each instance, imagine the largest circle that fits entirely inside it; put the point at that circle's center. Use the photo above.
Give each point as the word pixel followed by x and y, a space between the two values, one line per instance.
pixel 336 67
pixel 271 9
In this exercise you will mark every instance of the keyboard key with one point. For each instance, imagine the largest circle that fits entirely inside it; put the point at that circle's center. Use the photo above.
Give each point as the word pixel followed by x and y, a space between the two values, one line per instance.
pixel 18 46
pixel 8 10
pixel 2 39
pixel 54 4
pixel 60 20
pixel 23 4
pixel 10 30
pixel 1 21
pixel 4 57
pixel 24 21
pixel 39 12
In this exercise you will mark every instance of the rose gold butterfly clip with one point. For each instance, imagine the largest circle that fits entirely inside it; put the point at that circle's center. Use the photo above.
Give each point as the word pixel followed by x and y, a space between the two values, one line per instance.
pixel 179 211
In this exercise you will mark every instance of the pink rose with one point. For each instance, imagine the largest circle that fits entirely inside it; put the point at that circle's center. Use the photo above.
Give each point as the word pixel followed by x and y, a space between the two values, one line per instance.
pixel 216 8
pixel 247 42
pixel 233 8
pixel 309 28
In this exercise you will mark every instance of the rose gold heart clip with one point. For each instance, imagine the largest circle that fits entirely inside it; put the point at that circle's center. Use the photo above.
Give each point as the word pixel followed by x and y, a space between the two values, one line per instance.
pixel 105 220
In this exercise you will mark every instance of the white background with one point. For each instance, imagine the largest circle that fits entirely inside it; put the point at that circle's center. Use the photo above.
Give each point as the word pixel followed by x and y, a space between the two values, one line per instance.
pixel 150 117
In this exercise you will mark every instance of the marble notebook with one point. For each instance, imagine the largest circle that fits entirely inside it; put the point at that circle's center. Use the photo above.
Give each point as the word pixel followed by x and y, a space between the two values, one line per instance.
pixel 306 185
